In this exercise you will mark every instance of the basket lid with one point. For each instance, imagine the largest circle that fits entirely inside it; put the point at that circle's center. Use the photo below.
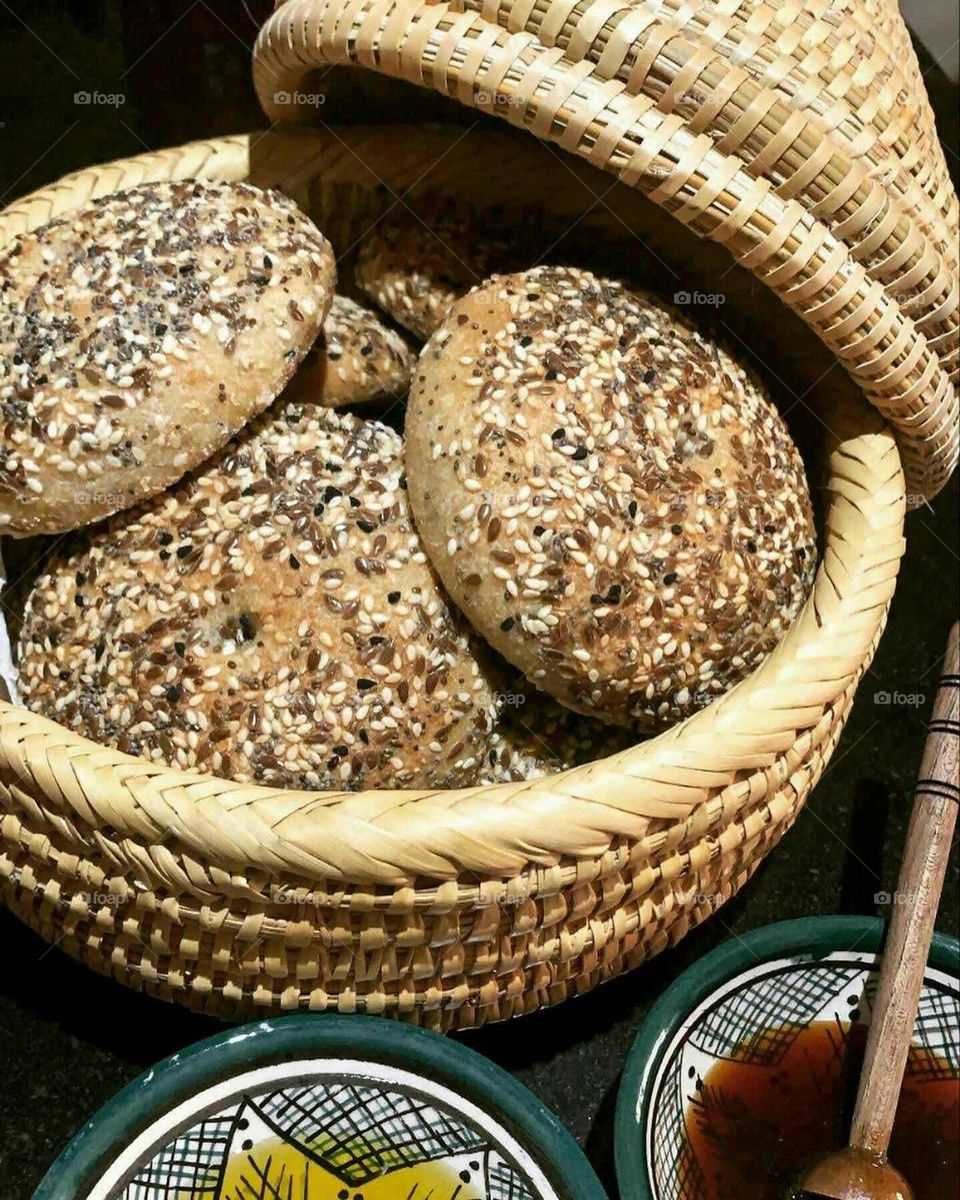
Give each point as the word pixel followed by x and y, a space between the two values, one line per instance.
pixel 327 1107
pixel 798 137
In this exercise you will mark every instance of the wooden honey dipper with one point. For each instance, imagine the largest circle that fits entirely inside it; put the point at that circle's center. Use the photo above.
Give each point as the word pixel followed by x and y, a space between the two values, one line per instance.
pixel 862 1171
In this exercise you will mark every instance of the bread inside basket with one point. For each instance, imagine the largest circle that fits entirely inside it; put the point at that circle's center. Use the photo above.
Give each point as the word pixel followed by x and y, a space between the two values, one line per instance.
pixel 650 840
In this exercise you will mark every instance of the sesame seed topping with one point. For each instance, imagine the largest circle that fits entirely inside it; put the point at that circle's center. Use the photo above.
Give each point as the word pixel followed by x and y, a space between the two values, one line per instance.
pixel 640 534
pixel 242 623
pixel 357 359
pixel 138 334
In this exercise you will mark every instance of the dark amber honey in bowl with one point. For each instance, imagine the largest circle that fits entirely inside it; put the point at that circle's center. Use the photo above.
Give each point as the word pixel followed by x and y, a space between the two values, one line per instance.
pixel 752 1125
pixel 747 1066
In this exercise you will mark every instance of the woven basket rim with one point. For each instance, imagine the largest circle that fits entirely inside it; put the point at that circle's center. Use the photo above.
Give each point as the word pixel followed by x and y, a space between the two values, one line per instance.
pixel 750 741
pixel 602 82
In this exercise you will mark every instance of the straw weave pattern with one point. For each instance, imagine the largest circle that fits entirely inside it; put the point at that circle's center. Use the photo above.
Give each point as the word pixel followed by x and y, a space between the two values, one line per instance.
pixel 787 133
pixel 447 908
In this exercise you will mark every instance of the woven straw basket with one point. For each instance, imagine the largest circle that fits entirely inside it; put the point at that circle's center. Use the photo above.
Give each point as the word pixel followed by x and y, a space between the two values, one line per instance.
pixel 800 141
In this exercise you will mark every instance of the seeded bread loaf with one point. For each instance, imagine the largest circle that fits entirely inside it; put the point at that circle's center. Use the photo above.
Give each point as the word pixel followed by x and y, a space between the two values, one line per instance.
pixel 414 263
pixel 356 360
pixel 137 335
pixel 608 495
pixel 274 618
pixel 535 736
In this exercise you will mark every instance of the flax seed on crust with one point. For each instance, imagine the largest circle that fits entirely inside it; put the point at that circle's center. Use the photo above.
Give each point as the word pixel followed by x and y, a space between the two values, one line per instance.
pixel 356 360
pixel 608 495
pixel 415 264
pixel 535 737
pixel 274 618
pixel 138 334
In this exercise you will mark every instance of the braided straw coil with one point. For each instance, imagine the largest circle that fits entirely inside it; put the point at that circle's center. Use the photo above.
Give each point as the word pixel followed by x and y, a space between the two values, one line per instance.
pixel 449 908
pixel 797 136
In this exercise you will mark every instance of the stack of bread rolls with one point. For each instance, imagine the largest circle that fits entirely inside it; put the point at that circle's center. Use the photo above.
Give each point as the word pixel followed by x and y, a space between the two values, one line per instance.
pixel 304 551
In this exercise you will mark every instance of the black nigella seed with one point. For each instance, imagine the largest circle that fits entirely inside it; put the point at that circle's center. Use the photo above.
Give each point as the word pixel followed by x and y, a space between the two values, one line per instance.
pixel 173 693
pixel 507 624
pixel 670 577
pixel 393 597
pixel 248 627
pixel 580 454
pixel 364 685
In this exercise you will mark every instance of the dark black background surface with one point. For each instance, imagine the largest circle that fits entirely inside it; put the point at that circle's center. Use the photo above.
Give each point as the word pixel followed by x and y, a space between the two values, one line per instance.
pixel 69 1038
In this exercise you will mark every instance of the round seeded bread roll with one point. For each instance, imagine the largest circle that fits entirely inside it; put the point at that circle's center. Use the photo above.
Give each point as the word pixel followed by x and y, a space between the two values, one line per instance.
pixel 535 736
pixel 356 360
pixel 610 498
pixel 137 335
pixel 274 618
pixel 414 265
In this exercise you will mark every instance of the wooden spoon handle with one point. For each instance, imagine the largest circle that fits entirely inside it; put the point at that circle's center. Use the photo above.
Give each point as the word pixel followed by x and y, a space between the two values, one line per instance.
pixel 911 927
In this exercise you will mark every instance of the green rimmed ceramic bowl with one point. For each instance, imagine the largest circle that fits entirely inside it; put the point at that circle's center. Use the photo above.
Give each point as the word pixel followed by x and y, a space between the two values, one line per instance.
pixel 323 1108
pixel 786 975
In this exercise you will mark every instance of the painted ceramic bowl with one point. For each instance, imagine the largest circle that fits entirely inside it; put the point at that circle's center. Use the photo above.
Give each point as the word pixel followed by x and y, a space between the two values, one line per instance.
pixel 323 1108
pixel 750 1059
